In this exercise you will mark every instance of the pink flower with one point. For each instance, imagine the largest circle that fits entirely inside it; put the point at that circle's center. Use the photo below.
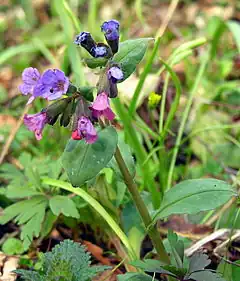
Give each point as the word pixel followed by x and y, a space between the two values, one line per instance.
pixel 101 107
pixel 36 123
pixel 86 130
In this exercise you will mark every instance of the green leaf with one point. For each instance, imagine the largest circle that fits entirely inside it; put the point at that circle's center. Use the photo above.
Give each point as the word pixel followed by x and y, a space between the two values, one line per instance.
pixel 236 271
pixel 33 227
pixel 155 266
pixel 60 262
pixel 12 246
pixel 225 269
pixel 134 277
pixel 193 196
pixel 206 275
pixel 63 205
pixel 29 275
pixel 234 26
pixel 95 62
pixel 127 156
pixel 130 53
pixel 21 210
pixel 48 223
pixel 84 161
pixel 16 191
pixel 177 248
pixel 198 262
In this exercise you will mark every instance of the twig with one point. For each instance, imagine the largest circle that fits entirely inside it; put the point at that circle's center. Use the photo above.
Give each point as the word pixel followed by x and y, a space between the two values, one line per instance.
pixel 167 18
pixel 215 235
pixel 13 134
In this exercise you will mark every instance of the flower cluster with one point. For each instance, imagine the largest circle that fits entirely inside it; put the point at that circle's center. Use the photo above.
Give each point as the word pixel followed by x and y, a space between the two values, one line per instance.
pixel 72 107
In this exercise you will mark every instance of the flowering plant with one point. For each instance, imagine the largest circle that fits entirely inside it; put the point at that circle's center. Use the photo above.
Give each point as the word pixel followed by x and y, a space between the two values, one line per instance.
pixel 95 143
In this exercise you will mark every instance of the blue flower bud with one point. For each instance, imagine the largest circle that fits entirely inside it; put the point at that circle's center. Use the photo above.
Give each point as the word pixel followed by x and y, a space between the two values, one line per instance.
pixel 111 31
pixel 101 51
pixel 85 40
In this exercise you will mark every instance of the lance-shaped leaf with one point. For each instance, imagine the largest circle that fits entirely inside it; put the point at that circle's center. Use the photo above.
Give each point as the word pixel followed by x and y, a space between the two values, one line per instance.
pixel 193 196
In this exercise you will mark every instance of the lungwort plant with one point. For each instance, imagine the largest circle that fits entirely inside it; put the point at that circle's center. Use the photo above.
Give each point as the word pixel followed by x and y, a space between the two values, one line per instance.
pixel 95 144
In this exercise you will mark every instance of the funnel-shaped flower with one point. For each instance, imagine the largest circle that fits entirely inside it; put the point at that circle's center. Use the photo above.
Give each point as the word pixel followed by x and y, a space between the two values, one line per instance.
pixel 30 77
pixel 101 107
pixel 52 85
pixel 86 130
pixel 36 123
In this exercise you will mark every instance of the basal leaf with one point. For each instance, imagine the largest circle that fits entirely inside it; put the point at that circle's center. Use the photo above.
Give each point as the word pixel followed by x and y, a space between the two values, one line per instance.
pixel 130 53
pixel 33 227
pixel 63 205
pixel 12 246
pixel 84 161
pixel 48 223
pixel 134 277
pixel 193 196
pixel 206 275
pixel 198 262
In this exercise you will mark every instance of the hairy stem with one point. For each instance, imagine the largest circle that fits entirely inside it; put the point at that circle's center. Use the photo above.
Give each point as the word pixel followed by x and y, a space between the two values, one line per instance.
pixel 132 187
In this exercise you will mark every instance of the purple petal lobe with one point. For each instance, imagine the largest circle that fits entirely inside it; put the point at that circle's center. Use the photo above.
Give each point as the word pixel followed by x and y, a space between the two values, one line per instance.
pixel 86 130
pixel 30 77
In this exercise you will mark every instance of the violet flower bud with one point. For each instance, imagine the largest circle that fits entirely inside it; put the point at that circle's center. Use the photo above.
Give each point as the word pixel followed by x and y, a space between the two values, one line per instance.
pixel 101 51
pixel 85 40
pixel 101 107
pixel 36 123
pixel 115 74
pixel 111 32
pixel 86 130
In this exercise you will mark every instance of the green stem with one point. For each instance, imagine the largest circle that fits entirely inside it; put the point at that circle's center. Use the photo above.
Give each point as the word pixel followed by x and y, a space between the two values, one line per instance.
pixel 132 187
pixel 163 102
pixel 143 76
pixel 184 119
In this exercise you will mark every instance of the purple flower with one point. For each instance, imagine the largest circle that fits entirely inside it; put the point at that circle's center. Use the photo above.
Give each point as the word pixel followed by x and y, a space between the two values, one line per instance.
pixel 86 130
pixel 111 29
pixel 52 85
pixel 36 123
pixel 111 32
pixel 115 74
pixel 30 77
pixel 86 41
pixel 101 107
